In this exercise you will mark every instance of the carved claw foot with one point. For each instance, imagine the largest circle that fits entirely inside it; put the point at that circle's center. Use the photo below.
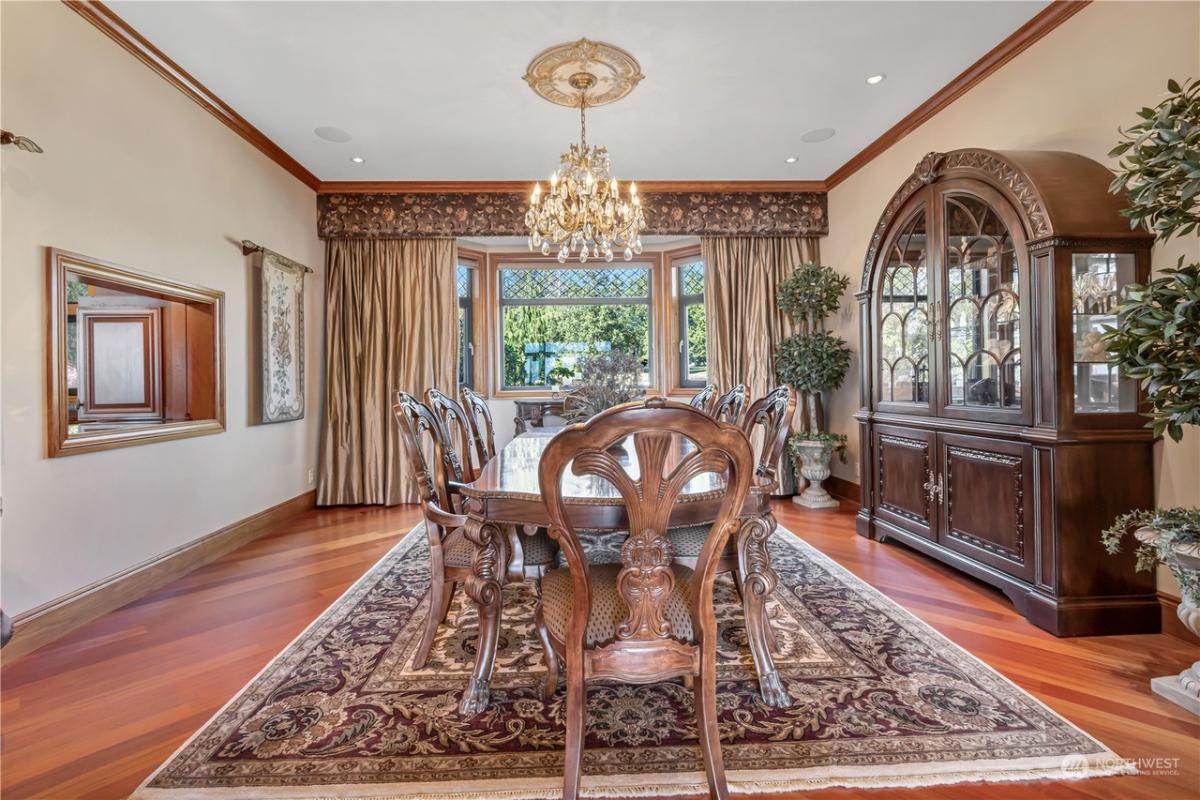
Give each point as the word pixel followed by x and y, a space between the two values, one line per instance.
pixel 474 699
pixel 773 693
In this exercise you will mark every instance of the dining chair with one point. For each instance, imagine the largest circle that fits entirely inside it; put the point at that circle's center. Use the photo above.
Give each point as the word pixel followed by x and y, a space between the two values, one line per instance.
pixel 728 407
pixel 704 398
pixel 646 619
pixel 456 424
pixel 746 558
pixel 483 429
pixel 450 552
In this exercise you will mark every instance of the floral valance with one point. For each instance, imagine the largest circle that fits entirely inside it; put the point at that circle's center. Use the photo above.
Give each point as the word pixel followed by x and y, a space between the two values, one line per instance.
pixel 364 216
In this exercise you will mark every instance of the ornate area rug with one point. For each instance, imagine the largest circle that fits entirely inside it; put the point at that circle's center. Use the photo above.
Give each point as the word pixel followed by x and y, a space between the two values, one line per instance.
pixel 881 699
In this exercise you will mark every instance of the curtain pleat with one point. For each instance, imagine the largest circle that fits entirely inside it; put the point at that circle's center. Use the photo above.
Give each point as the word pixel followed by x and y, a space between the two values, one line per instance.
pixel 391 323
pixel 745 326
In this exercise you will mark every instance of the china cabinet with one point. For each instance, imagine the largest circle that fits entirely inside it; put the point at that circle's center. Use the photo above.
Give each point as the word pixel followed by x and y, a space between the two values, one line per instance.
pixel 995 436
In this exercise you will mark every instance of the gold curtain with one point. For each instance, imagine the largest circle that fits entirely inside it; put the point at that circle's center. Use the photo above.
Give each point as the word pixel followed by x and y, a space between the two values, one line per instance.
pixel 391 322
pixel 742 277
pixel 745 325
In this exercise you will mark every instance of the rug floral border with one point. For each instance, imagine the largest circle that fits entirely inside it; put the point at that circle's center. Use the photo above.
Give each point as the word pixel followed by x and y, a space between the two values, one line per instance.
pixel 1057 749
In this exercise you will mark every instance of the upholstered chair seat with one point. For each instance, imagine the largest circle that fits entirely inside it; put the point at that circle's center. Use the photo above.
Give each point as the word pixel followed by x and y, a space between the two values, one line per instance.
pixel 608 609
pixel 687 541
pixel 539 550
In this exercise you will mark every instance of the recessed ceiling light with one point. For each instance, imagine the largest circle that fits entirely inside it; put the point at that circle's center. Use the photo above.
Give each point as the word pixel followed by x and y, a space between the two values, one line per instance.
pixel 357 159
pixel 790 160
pixel 873 80
pixel 331 134
pixel 818 135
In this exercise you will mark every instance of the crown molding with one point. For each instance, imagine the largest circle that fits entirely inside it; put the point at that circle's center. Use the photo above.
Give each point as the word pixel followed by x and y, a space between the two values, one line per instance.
pixel 123 34
pixel 523 187
pixel 1015 43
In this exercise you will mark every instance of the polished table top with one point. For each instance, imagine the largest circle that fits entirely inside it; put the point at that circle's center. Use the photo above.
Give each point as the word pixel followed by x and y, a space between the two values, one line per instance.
pixel 513 474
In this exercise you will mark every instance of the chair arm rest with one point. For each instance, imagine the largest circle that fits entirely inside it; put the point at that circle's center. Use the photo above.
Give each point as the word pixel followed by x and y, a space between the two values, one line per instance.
pixel 439 516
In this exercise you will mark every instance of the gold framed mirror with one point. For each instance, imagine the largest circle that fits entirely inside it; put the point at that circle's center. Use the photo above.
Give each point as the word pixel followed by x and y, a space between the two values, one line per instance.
pixel 133 358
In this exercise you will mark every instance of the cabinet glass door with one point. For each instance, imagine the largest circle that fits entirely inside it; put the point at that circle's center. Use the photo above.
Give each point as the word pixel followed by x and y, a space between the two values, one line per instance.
pixel 904 317
pixel 1096 283
pixel 982 315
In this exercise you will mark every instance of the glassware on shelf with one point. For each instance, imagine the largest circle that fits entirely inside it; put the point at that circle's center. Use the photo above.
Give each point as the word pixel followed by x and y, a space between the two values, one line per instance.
pixel 1096 282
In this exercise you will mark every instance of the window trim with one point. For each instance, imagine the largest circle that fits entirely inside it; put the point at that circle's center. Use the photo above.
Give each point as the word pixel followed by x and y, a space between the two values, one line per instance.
pixel 675 366
pixel 476 262
pixel 663 319
pixel 675 260
pixel 502 261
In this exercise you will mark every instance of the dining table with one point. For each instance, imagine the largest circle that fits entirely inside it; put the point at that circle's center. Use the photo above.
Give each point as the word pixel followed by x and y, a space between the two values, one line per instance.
pixel 505 501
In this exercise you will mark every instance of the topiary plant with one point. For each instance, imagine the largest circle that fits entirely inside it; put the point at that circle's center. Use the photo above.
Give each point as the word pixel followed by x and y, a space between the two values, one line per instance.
pixel 813 361
pixel 1157 341
pixel 1157 338
pixel 1160 164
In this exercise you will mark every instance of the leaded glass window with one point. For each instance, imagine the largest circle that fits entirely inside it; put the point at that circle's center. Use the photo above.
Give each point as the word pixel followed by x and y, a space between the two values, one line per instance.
pixel 904 317
pixel 465 286
pixel 550 316
pixel 983 306
pixel 693 326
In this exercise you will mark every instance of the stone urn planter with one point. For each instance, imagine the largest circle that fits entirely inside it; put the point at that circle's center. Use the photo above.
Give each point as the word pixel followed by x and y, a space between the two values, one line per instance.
pixel 813 457
pixel 1184 562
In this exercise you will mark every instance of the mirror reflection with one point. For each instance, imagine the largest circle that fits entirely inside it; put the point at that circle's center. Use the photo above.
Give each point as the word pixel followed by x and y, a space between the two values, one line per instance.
pixel 138 354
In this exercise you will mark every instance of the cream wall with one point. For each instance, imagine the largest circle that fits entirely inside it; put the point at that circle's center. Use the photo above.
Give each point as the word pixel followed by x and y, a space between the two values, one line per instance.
pixel 1069 91
pixel 134 172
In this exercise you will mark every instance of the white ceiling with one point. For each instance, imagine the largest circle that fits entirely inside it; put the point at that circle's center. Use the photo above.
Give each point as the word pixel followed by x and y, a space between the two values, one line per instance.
pixel 433 91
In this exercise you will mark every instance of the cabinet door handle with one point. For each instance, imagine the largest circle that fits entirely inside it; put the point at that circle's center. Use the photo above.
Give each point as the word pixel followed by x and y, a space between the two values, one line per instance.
pixel 933 489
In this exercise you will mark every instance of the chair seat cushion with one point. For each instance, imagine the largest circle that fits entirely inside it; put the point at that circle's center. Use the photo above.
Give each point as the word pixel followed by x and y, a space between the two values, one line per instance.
pixel 538 550
pixel 687 541
pixel 608 607
pixel 457 550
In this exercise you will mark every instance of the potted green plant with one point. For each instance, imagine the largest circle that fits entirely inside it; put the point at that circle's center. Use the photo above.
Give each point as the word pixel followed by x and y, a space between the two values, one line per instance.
pixel 1157 341
pixel 814 362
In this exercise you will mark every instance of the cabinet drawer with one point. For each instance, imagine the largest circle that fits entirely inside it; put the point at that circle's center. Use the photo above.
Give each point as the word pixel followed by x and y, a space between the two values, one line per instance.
pixel 988 501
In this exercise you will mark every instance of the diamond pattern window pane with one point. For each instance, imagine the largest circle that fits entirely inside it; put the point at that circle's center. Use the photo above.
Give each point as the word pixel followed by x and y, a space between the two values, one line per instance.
pixel 691 278
pixel 575 284
pixel 464 281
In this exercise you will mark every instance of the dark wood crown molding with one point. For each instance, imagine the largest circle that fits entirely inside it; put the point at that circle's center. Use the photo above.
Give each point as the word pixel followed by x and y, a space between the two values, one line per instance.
pixel 523 187
pixel 1017 42
pixel 123 34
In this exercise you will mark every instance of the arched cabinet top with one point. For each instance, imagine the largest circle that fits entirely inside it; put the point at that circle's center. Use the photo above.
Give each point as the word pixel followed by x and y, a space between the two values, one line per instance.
pixel 1056 194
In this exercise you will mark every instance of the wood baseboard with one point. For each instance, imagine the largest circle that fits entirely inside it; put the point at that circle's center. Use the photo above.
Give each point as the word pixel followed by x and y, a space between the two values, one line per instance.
pixel 843 489
pixel 52 620
pixel 1171 623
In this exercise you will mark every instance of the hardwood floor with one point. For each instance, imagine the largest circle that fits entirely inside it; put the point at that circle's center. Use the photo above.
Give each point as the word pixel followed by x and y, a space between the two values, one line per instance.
pixel 92 714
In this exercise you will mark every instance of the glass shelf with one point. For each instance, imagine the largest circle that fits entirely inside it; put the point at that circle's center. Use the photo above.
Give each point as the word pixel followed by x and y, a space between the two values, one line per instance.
pixel 1096 283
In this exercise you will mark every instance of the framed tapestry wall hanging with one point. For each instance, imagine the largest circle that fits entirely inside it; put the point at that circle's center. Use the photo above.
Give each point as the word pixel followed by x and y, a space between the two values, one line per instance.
pixel 281 335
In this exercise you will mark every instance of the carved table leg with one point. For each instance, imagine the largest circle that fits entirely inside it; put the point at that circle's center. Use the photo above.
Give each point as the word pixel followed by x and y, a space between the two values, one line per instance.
pixel 758 581
pixel 483 587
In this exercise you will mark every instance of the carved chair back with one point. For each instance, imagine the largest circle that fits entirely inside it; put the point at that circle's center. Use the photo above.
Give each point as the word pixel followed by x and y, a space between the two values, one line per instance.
pixel 457 426
pixel 704 398
pixel 422 433
pixel 772 414
pixel 646 579
pixel 728 407
pixel 483 430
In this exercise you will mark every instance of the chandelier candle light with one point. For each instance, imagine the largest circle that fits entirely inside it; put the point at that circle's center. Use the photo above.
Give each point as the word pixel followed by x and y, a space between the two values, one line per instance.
pixel 583 211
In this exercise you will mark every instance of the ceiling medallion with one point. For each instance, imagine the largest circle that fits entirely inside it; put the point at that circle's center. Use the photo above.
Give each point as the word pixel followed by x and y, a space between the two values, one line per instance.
pixel 583 211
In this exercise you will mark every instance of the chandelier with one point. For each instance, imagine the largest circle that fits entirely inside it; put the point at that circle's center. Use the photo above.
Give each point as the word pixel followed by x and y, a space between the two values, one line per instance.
pixel 583 213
